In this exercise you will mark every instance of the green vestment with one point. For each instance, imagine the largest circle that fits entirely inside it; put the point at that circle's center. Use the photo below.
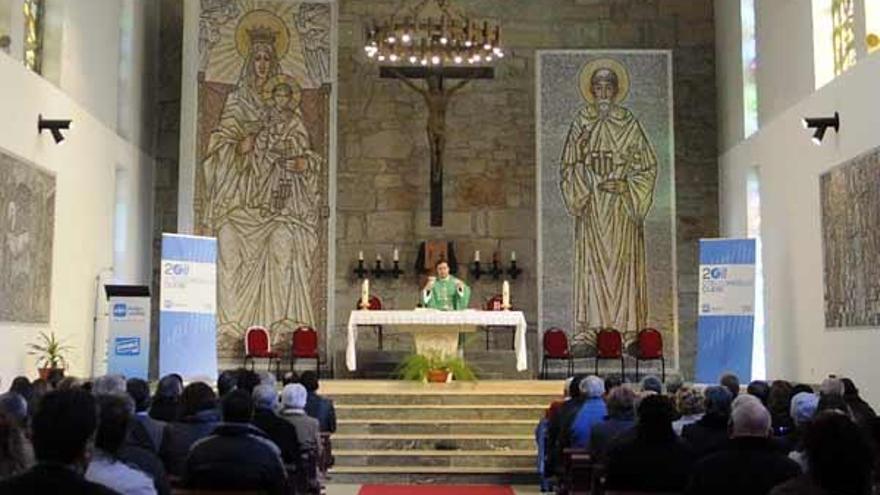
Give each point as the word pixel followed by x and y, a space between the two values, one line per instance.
pixel 446 296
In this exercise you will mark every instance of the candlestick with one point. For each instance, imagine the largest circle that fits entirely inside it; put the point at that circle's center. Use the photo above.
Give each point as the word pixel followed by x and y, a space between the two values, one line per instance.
pixel 360 256
pixel 396 256
pixel 365 294
pixel 505 295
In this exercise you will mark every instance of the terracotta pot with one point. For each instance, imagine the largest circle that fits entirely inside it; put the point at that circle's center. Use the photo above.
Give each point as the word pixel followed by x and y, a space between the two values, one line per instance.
pixel 44 372
pixel 438 376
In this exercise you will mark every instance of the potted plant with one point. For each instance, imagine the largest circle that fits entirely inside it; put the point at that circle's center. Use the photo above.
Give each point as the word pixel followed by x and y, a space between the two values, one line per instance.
pixel 435 368
pixel 50 354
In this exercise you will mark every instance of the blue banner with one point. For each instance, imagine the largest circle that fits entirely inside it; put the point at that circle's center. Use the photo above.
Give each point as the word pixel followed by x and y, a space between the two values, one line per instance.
pixel 726 321
pixel 187 315
pixel 128 346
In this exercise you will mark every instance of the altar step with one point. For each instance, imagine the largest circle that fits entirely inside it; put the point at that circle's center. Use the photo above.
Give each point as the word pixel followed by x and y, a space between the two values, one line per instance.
pixel 457 433
pixel 496 364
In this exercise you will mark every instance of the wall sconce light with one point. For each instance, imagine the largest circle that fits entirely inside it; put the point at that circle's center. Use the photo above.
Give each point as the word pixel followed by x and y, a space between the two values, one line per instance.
pixel 55 126
pixel 821 124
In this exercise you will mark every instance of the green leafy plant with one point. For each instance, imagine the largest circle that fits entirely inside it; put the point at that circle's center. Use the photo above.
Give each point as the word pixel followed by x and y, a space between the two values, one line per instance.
pixel 417 366
pixel 49 350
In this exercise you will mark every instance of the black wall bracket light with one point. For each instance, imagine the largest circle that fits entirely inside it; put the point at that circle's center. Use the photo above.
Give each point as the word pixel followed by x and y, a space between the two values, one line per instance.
pixel 821 124
pixel 55 126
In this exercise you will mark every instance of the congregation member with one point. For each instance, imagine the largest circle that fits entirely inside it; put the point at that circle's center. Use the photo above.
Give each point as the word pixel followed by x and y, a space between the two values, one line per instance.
pixel 651 457
pixel 109 385
pixel 751 464
pixel 247 380
pixel 863 414
pixel 611 381
pixel 591 413
pixel 199 418
pixel 318 407
pixel 759 389
pixel 16 454
pixel 779 404
pixel 651 383
pixel 23 387
pixel 166 402
pixel 105 467
pixel 281 432
pixel 308 431
pixel 673 384
pixel 689 404
pixel 15 407
pixel 621 418
pixel 803 408
pixel 62 426
pixel 559 426
pixel 839 459
pixel 226 382
pixel 139 390
pixel 709 434
pixel 237 455
pixel 731 383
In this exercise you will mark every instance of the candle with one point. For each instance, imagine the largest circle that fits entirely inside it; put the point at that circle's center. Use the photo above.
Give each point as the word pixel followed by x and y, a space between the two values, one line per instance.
pixel 360 256
pixel 513 256
pixel 505 295
pixel 477 255
pixel 378 257
pixel 396 255
pixel 365 294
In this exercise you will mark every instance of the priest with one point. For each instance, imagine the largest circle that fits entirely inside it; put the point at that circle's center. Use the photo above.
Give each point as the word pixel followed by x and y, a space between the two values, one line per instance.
pixel 445 292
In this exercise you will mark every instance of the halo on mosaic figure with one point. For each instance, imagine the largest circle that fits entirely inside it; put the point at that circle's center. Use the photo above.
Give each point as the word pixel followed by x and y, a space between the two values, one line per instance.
pixel 295 89
pixel 262 24
pixel 614 66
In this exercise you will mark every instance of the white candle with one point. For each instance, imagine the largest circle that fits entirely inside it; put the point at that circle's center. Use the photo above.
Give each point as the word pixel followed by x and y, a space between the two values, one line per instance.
pixel 365 294
pixel 396 255
pixel 477 255
pixel 360 256
pixel 513 256
pixel 378 257
pixel 505 295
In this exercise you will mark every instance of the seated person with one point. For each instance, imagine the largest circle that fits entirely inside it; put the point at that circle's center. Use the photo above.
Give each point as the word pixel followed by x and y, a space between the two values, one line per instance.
pixel 689 403
pixel 709 434
pixel 62 425
pixel 318 407
pixel 591 413
pixel 751 464
pixel 281 432
pixel 559 426
pixel 105 467
pixel 154 429
pixel 308 431
pixel 200 417
pixel 238 455
pixel 621 418
pixel 16 454
pixel 651 457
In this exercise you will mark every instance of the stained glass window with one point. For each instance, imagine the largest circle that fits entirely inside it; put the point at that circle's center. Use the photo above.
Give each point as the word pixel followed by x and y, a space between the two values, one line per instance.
pixel 749 67
pixel 753 227
pixel 843 21
pixel 33 35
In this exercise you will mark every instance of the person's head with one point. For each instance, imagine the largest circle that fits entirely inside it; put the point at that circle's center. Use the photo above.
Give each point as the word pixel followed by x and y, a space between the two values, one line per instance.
pixel 265 397
pixel 109 385
pixel 656 414
pixel 849 389
pixel 592 387
pixel 779 399
pixel 263 59
pixel 731 383
pixel 831 386
pixel 13 450
pixel 309 380
pixel 743 399
pixel 289 377
pixel 717 400
pixel 238 407
pixel 750 419
pixel 673 385
pixel 566 387
pixel 15 407
pixel 604 85
pixel 55 376
pixel 574 388
pixel 170 387
pixel 282 94
pixel 801 387
pixel 267 378
pixel 139 391
pixel 68 383
pixel 40 388
pixel 114 412
pixel 612 381
pixel 759 389
pixel 803 408
pixel 839 457
pixel 247 380
pixel 442 269
pixel 832 403
pixel 652 383
pixel 63 424
pixel 197 397
pixel 621 401
pixel 294 396
pixel 22 386
pixel 226 382
pixel 689 401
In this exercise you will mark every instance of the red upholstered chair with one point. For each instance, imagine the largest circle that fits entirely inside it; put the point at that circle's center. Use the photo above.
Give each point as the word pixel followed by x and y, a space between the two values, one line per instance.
pixel 375 305
pixel 494 304
pixel 609 345
pixel 649 347
pixel 556 349
pixel 257 345
pixel 305 346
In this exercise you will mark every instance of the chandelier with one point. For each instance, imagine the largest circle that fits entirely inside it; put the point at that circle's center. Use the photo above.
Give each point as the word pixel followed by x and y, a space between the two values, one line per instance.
pixel 433 33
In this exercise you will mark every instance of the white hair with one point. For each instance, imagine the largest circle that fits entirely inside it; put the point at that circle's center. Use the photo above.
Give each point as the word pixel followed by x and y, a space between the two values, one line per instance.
pixel 750 419
pixel 294 396
pixel 742 399
pixel 264 397
pixel 267 378
pixel 592 386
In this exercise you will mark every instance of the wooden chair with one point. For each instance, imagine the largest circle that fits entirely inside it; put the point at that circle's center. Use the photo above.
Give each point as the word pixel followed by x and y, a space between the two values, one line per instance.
pixel 649 347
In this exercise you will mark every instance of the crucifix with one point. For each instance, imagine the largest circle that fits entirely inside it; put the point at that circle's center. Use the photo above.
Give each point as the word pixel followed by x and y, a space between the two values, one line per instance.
pixel 436 98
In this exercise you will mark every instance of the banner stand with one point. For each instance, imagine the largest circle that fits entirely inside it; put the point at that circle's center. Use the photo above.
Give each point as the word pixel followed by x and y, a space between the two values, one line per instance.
pixel 128 333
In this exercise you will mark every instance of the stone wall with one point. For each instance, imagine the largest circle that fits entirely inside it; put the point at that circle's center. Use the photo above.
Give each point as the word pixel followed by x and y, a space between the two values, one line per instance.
pixel 489 188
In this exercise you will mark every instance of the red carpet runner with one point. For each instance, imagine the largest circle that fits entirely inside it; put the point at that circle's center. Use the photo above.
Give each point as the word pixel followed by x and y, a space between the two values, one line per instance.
pixel 435 490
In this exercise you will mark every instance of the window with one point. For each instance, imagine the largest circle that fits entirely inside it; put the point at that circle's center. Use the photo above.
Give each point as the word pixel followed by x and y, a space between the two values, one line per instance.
pixel 753 226
pixel 120 226
pixel 33 35
pixel 749 67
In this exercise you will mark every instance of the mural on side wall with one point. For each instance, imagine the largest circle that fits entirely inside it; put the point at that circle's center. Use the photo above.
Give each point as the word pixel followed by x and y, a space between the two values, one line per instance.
pixel 605 149
pixel 262 174
pixel 850 200
pixel 27 222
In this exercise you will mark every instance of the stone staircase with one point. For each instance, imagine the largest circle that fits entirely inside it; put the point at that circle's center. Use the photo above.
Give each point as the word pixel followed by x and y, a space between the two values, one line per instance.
pixel 446 433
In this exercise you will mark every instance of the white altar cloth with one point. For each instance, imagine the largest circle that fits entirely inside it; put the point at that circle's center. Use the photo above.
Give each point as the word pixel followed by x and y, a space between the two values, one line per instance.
pixel 466 320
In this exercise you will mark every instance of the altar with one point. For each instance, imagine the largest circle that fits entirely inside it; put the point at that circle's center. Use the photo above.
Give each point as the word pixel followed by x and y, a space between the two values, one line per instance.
pixel 437 331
